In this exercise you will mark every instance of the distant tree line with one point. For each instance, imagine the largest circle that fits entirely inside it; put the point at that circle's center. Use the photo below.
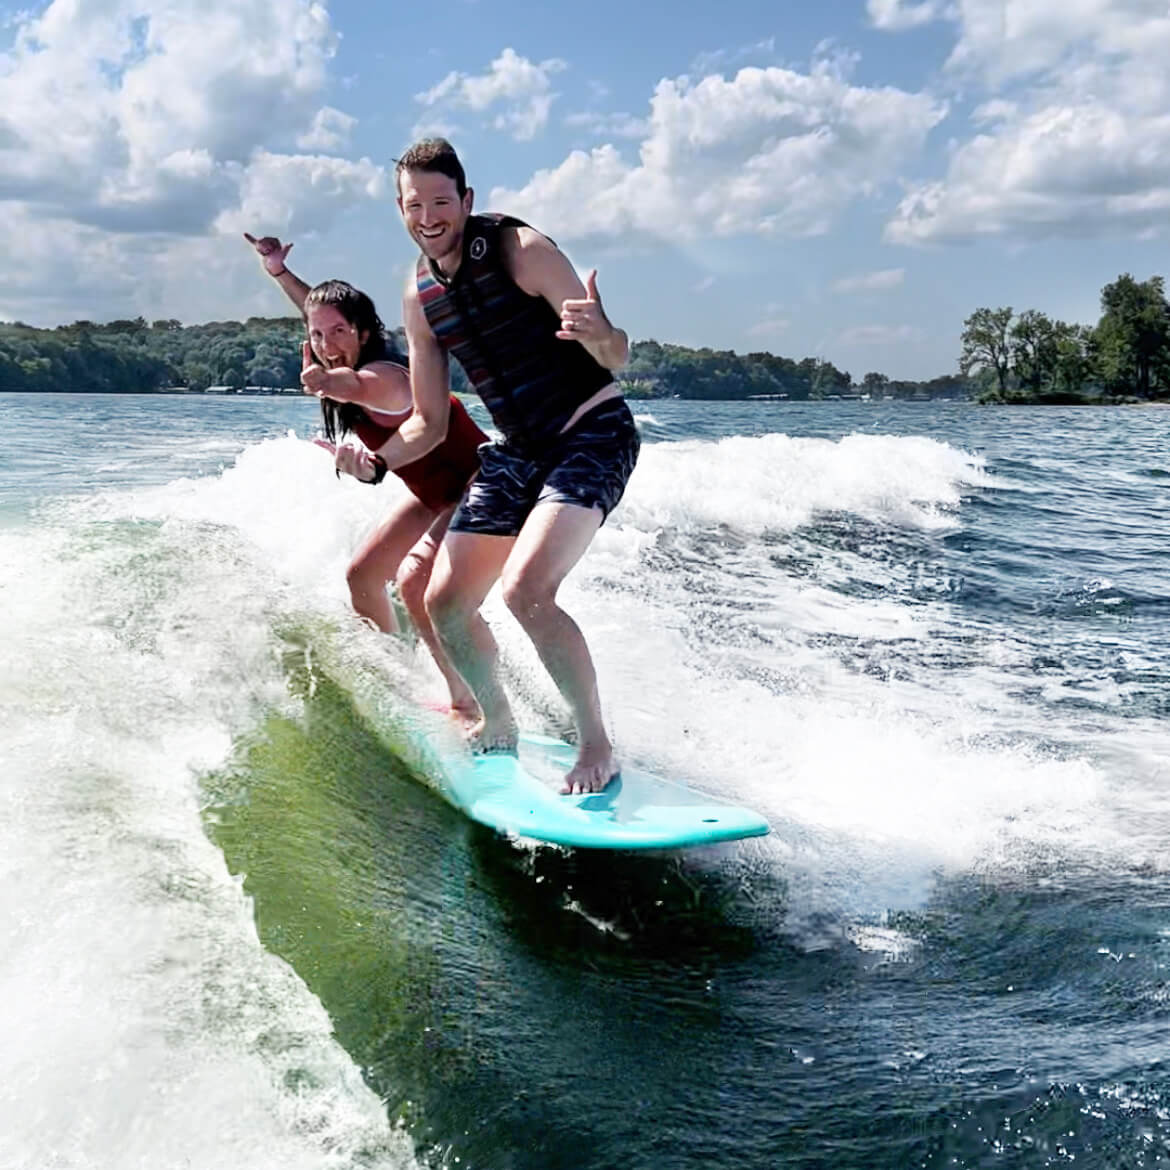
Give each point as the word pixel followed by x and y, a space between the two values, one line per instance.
pixel 656 370
pixel 1030 357
pixel 1005 357
pixel 134 357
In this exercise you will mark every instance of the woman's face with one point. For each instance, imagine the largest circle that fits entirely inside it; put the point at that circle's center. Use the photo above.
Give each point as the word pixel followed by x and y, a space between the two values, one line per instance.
pixel 334 340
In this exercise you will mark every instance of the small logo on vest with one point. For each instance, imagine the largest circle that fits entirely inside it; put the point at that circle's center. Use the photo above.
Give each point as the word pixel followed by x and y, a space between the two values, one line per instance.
pixel 478 248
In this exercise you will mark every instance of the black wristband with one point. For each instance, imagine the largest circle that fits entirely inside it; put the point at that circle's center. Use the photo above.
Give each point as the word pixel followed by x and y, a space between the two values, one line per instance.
pixel 380 469
pixel 276 275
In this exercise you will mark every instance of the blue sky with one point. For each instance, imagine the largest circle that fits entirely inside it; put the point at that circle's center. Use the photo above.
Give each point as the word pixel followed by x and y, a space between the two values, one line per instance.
pixel 846 181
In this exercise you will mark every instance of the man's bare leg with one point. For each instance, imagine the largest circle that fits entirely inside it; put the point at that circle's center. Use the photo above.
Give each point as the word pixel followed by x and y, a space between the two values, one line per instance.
pixel 466 568
pixel 552 541
pixel 414 574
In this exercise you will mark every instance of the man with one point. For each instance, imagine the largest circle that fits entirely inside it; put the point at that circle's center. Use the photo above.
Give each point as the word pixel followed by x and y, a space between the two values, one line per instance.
pixel 539 349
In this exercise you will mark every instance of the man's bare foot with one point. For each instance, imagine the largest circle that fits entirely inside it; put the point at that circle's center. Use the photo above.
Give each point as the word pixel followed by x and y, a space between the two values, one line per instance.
pixel 594 769
pixel 484 740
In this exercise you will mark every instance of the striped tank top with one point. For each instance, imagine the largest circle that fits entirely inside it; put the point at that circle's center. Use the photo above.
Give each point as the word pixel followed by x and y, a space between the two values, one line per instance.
pixel 530 381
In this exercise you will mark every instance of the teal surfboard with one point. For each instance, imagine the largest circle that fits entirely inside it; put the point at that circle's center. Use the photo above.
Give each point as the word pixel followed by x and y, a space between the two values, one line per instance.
pixel 518 795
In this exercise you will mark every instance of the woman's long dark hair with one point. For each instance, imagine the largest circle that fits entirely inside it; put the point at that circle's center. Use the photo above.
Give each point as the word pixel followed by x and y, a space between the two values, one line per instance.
pixel 339 418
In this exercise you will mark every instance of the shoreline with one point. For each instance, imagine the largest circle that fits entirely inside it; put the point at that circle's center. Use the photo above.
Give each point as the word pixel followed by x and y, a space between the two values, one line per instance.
pixel 770 402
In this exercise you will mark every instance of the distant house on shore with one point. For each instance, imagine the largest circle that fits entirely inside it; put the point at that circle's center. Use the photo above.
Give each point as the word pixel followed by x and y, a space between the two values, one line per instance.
pixel 251 390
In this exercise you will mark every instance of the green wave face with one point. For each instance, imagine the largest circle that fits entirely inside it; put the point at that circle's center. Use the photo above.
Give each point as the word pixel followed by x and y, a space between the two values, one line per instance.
pixel 335 840
pixel 471 980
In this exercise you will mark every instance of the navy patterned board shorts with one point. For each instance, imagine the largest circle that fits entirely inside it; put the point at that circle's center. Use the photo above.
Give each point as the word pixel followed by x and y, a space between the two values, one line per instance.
pixel 587 466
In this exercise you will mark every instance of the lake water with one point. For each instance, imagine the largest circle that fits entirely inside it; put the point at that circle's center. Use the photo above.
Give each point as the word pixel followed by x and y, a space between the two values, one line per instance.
pixel 931 642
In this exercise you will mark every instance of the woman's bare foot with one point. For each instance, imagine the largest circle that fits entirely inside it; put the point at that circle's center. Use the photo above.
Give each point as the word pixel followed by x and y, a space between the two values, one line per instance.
pixel 464 710
pixel 483 739
pixel 594 769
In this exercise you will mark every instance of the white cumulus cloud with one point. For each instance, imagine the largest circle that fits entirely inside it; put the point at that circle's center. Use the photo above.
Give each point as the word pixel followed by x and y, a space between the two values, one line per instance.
pixel 292 194
pixel 770 151
pixel 1074 137
pixel 617 125
pixel 132 131
pixel 515 92
pixel 1002 39
pixel 898 14
pixel 146 114
pixel 329 131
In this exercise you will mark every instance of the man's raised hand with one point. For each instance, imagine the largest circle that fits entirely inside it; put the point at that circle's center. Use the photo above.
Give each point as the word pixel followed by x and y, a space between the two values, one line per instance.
pixel 584 320
pixel 271 251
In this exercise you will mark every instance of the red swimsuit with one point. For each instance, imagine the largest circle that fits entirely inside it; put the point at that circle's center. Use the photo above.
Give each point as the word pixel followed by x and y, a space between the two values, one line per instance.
pixel 439 478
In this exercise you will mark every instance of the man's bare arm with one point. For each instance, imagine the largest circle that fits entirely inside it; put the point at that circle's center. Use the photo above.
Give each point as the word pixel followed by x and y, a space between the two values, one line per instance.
pixel 426 427
pixel 272 255
pixel 540 268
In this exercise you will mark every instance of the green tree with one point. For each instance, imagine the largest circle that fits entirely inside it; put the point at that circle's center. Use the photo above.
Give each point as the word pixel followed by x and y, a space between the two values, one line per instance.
pixel 830 380
pixel 1032 339
pixel 260 374
pixel 137 325
pixel 987 345
pixel 1073 360
pixel 197 376
pixel 1133 336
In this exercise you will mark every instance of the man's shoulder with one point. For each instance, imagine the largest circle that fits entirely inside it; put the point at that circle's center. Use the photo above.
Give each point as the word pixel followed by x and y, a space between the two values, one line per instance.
pixel 504 226
pixel 498 220
pixel 520 241
pixel 492 234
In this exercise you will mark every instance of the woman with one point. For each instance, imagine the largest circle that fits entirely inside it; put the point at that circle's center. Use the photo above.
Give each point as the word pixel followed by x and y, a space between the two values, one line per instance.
pixel 364 389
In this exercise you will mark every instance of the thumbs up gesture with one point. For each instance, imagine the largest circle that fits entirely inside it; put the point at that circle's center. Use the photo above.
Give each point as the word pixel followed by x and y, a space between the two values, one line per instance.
pixel 584 320
pixel 314 376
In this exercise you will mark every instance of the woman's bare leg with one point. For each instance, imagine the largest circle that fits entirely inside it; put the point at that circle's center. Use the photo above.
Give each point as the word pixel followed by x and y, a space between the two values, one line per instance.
pixel 467 566
pixel 414 575
pixel 376 562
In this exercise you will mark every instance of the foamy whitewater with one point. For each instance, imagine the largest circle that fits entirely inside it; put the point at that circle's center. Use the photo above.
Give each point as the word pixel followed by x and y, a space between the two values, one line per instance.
pixel 935 659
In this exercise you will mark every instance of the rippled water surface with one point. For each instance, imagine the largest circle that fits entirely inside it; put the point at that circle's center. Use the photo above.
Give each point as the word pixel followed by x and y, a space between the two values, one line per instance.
pixel 931 642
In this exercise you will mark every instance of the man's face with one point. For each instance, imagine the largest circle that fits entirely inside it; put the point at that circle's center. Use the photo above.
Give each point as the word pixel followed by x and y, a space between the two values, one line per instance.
pixel 334 340
pixel 433 212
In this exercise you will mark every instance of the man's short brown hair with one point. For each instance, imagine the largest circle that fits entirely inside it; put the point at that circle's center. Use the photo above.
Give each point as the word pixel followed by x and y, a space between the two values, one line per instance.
pixel 436 155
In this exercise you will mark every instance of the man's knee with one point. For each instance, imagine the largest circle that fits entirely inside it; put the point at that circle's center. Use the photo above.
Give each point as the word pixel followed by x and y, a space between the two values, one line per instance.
pixel 525 595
